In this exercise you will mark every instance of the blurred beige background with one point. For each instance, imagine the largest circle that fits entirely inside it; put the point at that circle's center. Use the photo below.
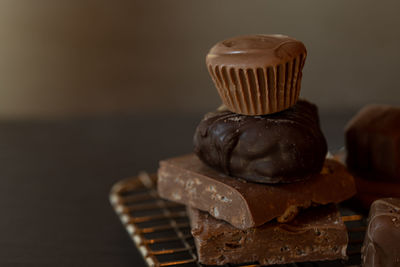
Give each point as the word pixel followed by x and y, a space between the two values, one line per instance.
pixel 83 58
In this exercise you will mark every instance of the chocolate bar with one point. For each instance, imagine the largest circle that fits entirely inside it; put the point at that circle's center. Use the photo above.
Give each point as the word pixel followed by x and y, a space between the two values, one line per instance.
pixel 382 240
pixel 283 147
pixel 189 181
pixel 373 141
pixel 316 234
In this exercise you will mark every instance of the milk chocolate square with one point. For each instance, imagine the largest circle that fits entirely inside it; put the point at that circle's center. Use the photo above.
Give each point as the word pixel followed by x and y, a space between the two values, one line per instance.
pixel 382 240
pixel 243 204
pixel 316 234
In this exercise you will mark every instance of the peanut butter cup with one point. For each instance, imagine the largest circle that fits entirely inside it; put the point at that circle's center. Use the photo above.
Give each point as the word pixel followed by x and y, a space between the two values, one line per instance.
pixel 257 74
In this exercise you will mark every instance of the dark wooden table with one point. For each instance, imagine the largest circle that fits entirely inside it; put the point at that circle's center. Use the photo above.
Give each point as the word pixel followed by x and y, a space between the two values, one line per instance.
pixel 55 178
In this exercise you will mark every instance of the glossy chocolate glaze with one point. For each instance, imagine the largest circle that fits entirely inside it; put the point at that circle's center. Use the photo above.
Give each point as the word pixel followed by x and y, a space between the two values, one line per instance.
pixel 278 148
pixel 382 240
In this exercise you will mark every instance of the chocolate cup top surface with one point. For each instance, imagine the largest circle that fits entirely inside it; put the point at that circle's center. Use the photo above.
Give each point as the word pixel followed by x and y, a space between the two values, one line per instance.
pixel 251 51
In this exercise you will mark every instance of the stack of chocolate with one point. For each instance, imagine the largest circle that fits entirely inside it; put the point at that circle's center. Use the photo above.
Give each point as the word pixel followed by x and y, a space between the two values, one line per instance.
pixel 258 187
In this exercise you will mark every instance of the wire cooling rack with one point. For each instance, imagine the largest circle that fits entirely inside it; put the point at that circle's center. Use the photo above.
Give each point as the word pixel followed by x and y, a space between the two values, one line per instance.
pixel 161 232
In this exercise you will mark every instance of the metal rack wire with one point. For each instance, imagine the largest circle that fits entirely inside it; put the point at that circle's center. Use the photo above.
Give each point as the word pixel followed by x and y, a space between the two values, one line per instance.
pixel 161 232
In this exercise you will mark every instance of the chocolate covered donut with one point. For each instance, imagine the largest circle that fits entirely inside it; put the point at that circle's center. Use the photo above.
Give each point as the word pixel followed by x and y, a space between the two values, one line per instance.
pixel 277 148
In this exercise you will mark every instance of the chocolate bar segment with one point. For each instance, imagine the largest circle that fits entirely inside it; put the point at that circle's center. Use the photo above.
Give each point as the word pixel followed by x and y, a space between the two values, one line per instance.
pixel 277 148
pixel 373 142
pixel 316 234
pixel 382 240
pixel 189 181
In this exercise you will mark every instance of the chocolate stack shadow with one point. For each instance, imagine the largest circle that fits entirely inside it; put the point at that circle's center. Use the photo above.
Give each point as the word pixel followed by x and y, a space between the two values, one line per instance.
pixel 258 187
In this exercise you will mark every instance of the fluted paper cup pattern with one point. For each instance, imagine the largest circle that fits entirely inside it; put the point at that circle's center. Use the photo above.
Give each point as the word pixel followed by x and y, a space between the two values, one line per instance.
pixel 261 90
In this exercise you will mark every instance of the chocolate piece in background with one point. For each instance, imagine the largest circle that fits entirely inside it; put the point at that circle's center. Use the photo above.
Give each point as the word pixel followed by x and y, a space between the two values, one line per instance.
pixel 316 234
pixel 189 181
pixel 382 240
pixel 373 143
pixel 370 190
pixel 255 51
pixel 278 148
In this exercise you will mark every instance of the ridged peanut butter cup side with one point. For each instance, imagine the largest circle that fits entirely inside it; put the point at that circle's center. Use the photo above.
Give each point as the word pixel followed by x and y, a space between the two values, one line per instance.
pixel 257 74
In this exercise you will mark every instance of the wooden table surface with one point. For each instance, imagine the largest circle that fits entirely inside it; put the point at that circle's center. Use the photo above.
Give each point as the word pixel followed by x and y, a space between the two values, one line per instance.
pixel 55 177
